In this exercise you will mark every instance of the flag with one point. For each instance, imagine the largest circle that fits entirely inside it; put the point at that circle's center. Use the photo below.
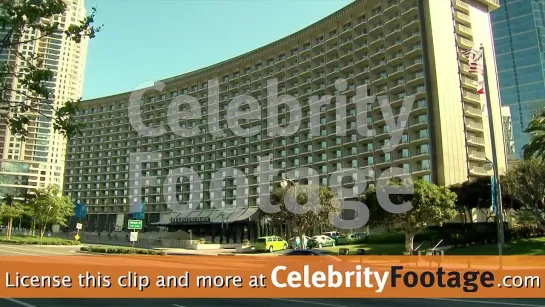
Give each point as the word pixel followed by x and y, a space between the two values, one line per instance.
pixel 480 91
pixel 493 193
pixel 475 60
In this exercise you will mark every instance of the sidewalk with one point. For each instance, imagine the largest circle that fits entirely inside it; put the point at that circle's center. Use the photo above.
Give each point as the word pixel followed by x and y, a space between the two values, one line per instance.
pixel 211 252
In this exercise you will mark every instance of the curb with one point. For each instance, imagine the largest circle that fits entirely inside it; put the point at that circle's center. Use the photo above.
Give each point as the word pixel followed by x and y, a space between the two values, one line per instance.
pixel 93 253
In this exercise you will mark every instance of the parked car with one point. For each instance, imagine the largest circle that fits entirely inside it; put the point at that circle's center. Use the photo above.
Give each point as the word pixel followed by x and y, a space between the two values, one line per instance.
pixel 291 242
pixel 321 241
pixel 346 239
pixel 270 244
pixel 333 234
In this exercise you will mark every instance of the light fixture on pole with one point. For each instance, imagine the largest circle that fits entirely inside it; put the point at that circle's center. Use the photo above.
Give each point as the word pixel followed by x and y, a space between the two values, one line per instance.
pixel 497 200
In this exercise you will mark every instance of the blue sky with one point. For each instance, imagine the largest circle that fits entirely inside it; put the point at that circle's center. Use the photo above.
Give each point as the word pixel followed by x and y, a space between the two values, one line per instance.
pixel 149 40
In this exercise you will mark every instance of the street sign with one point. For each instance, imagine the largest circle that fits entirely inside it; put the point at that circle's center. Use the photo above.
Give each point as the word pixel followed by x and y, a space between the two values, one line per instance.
pixel 135 224
pixel 79 226
pixel 77 237
pixel 134 236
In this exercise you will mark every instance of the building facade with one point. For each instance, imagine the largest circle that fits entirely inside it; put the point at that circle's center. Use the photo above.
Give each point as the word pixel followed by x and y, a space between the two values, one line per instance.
pixel 43 151
pixel 398 49
pixel 519 37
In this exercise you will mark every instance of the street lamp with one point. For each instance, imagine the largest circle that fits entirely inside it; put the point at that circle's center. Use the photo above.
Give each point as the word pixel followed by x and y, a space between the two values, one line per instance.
pixel 489 165
pixel 284 183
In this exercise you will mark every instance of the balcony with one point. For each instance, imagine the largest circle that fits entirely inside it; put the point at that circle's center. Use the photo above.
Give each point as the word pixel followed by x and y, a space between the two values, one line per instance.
pixel 478 171
pixel 461 6
pixel 476 141
pixel 477 155
pixel 465 43
pixel 376 42
pixel 492 4
pixel 463 18
pixel 415 65
pixel 410 11
pixel 396 73
pixel 414 37
pixel 471 111
pixel 464 31
pixel 397 45
pixel 398 86
pixel 474 126
pixel 471 97
pixel 469 83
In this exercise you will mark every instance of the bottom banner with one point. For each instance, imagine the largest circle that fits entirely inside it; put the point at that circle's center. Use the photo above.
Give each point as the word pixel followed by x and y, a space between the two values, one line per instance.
pixel 271 277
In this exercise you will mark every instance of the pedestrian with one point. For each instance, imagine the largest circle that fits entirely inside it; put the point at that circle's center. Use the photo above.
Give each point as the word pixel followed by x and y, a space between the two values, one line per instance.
pixel 297 243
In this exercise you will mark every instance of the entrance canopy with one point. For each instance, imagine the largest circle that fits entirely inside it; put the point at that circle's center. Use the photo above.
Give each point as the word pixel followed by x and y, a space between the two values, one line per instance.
pixel 211 216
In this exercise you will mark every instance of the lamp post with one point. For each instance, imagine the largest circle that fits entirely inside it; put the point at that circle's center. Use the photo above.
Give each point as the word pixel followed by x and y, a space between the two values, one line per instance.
pixel 489 165
pixel 284 183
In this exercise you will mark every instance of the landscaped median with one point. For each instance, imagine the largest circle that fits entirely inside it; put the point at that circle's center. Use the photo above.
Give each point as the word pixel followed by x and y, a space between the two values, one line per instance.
pixel 117 250
pixel 32 240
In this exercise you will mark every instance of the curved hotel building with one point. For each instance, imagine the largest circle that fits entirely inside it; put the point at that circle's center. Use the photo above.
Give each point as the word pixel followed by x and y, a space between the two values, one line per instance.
pixel 398 49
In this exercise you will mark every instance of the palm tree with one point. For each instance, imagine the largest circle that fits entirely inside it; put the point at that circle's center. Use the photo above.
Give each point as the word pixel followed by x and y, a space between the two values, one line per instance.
pixel 536 145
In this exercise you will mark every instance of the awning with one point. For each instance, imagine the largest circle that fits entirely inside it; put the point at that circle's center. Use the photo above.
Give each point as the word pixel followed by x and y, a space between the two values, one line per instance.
pixel 210 216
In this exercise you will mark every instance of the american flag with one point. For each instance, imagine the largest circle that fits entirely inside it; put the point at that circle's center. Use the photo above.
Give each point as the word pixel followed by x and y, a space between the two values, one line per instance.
pixel 475 60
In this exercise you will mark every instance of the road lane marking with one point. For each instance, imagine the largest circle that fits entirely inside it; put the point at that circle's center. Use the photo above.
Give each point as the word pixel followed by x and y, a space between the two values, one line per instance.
pixel 20 303
pixel 35 250
pixel 175 305
pixel 484 302
pixel 18 253
pixel 310 303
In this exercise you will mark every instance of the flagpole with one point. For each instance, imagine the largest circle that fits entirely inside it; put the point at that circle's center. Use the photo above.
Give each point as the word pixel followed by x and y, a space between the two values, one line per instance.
pixel 499 213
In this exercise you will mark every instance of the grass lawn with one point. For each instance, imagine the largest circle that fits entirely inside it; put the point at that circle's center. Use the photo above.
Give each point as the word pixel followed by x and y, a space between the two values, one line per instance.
pixel 532 246
pixel 36 240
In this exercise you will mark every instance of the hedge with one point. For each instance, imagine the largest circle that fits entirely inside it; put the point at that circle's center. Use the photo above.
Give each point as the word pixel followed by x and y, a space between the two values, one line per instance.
pixel 121 250
pixel 399 238
pixel 458 234
pixel 30 240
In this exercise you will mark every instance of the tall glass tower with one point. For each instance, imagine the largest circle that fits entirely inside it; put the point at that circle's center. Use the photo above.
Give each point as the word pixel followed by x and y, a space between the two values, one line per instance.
pixel 519 38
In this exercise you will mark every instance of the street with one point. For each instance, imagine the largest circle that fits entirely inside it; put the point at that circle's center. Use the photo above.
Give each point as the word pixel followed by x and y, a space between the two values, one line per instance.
pixel 29 250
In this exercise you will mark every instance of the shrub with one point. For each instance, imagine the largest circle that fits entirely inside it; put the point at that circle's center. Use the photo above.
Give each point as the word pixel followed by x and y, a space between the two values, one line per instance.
pixel 399 238
pixel 121 250
pixel 246 242
pixel 30 240
pixel 202 241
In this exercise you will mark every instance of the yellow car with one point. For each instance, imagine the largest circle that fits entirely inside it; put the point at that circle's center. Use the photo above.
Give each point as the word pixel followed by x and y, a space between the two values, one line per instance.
pixel 270 244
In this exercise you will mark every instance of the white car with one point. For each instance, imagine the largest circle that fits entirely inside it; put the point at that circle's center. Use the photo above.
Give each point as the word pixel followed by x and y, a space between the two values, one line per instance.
pixel 332 234
pixel 322 241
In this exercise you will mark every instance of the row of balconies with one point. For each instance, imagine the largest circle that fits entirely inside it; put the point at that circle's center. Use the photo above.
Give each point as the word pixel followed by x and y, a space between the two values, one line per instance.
pixel 362 150
pixel 418 77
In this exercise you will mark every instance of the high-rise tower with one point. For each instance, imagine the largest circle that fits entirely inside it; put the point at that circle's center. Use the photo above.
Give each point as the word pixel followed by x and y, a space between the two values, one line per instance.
pixel 39 160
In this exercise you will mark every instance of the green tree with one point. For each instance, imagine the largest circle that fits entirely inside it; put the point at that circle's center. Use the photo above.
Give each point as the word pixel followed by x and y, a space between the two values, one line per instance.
pixel 525 182
pixel 17 18
pixel 11 210
pixel 477 194
pixel 51 207
pixel 431 204
pixel 319 203
pixel 536 145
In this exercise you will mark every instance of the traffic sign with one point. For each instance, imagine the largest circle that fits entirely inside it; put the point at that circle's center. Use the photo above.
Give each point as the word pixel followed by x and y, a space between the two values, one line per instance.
pixel 79 226
pixel 77 237
pixel 135 224
pixel 134 236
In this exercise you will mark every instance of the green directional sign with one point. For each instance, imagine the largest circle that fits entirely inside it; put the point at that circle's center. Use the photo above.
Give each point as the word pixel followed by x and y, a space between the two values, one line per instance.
pixel 135 224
